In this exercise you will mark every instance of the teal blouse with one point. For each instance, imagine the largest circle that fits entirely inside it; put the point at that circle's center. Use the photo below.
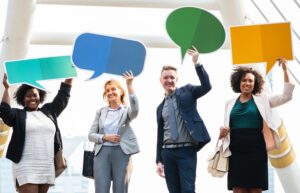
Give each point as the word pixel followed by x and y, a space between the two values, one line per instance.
pixel 245 115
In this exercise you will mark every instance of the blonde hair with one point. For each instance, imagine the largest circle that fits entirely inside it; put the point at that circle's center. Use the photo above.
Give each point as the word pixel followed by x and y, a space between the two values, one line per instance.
pixel 119 86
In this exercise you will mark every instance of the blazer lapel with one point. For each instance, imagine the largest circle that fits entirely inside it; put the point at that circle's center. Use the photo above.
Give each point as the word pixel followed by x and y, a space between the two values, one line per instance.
pixel 122 119
pixel 229 107
pixel 260 105
pixel 103 115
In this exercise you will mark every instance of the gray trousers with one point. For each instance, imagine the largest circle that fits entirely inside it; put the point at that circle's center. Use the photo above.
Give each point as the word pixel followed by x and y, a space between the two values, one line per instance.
pixel 112 165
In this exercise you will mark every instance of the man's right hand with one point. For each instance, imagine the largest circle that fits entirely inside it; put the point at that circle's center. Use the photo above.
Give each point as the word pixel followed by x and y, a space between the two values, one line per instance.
pixel 160 170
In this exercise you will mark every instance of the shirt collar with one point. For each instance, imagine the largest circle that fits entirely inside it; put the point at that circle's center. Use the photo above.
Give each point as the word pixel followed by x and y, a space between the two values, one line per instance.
pixel 170 95
pixel 120 107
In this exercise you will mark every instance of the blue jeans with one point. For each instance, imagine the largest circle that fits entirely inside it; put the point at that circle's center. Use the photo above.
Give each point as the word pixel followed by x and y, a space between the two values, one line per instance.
pixel 180 169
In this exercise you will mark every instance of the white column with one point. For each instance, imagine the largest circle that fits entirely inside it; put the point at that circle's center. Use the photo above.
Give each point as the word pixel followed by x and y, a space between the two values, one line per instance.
pixel 171 4
pixel 15 40
pixel 17 30
pixel 233 13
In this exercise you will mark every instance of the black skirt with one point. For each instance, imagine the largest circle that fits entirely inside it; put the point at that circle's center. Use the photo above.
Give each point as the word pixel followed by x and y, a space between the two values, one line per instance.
pixel 248 164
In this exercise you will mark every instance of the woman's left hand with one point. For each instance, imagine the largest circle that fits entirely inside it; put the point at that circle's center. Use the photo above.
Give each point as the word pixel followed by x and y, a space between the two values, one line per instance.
pixel 128 75
pixel 283 63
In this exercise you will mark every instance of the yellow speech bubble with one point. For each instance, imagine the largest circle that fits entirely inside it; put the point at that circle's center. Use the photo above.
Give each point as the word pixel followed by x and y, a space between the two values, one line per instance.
pixel 261 43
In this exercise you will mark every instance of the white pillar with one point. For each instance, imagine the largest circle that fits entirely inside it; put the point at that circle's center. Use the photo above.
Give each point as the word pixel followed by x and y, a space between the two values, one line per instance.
pixel 171 4
pixel 233 13
pixel 15 40
pixel 17 30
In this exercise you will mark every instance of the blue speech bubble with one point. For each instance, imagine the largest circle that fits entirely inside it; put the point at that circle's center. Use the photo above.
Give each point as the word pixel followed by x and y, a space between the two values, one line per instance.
pixel 107 54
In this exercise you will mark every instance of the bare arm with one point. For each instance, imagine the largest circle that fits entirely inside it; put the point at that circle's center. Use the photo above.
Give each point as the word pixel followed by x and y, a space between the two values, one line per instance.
pixel 6 95
pixel 287 93
pixel 68 81
pixel 283 63
pixel 129 79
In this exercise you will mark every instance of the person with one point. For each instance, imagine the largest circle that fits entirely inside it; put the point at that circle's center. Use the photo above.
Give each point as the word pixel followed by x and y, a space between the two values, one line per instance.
pixel 114 138
pixel 245 118
pixel 33 143
pixel 181 131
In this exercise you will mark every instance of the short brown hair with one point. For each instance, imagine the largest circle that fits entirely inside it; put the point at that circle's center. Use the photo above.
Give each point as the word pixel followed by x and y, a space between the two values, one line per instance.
pixel 168 67
pixel 239 73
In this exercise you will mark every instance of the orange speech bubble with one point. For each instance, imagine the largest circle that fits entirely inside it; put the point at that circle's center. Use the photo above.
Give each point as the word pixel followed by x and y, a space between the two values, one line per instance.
pixel 261 43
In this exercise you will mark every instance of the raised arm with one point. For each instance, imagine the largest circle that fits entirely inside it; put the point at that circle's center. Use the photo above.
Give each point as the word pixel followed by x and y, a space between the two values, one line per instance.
pixel 134 105
pixel 128 75
pixel 283 63
pixel 6 94
pixel 288 88
pixel 68 81
pixel 205 86
pixel 7 114
pixel 194 53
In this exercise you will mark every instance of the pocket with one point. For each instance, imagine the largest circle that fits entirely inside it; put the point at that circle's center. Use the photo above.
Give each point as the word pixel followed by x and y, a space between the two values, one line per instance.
pixel 132 136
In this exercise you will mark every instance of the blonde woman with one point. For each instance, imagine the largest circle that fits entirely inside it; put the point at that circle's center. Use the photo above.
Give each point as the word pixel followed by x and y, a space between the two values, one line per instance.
pixel 114 138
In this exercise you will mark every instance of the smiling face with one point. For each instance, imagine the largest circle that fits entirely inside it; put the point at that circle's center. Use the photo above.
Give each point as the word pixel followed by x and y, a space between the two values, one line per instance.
pixel 113 93
pixel 247 83
pixel 31 99
pixel 168 80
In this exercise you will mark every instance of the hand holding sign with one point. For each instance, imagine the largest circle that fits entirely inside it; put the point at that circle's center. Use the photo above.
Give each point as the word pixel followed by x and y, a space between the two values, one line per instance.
pixel 112 55
pixel 261 43
pixel 32 70
pixel 189 26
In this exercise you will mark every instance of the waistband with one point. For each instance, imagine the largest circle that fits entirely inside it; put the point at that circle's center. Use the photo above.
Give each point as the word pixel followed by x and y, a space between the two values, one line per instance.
pixel 178 145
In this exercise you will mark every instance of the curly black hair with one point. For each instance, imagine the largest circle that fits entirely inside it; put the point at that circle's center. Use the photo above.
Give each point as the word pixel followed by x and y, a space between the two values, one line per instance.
pixel 239 73
pixel 21 91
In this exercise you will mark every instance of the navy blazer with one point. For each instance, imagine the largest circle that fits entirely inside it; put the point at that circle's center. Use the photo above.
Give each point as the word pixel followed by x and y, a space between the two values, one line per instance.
pixel 186 98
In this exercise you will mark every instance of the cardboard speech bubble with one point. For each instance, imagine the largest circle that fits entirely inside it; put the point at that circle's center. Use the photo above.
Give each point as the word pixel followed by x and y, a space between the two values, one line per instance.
pixel 261 43
pixel 190 26
pixel 29 71
pixel 105 54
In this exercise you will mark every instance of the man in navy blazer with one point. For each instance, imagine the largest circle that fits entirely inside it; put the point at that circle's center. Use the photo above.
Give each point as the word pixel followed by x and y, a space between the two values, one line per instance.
pixel 181 131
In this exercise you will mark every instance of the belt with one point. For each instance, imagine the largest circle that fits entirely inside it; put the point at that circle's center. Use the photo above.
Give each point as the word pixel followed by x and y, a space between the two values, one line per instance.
pixel 178 145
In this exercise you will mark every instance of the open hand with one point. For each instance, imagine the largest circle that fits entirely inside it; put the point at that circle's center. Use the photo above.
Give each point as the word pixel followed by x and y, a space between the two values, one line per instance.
pixel 128 75
pixel 194 53
pixel 283 63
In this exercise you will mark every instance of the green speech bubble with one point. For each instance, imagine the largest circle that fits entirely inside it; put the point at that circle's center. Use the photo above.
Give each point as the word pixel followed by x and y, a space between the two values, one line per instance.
pixel 190 26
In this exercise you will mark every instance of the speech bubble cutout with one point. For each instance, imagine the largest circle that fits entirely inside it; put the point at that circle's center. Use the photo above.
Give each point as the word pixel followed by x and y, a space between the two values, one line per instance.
pixel 30 71
pixel 190 26
pixel 261 43
pixel 107 54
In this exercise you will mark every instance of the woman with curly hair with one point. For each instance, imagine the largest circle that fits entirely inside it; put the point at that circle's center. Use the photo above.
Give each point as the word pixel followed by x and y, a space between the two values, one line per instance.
pixel 245 119
pixel 36 136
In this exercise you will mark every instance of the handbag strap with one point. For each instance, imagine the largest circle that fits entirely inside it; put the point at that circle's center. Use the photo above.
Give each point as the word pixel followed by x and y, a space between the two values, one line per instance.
pixel 217 144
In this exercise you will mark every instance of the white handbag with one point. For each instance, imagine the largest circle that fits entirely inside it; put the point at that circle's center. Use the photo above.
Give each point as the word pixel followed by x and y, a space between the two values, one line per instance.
pixel 217 163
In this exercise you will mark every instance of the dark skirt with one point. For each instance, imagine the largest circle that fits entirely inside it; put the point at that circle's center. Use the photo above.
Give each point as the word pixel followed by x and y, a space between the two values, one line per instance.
pixel 248 164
